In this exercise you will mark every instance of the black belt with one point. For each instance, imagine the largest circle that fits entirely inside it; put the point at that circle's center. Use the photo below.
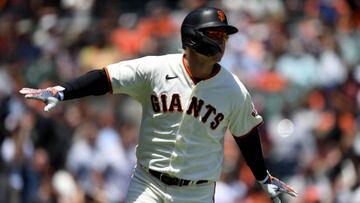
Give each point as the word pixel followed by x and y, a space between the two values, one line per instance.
pixel 168 180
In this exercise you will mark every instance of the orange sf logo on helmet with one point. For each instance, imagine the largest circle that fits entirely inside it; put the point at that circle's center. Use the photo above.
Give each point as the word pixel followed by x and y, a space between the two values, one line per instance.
pixel 221 15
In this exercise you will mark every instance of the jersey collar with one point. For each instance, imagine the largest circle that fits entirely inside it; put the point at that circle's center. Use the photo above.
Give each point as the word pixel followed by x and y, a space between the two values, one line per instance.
pixel 215 71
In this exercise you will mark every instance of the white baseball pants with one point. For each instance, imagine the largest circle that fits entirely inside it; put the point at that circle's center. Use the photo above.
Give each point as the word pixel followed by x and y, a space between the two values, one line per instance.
pixel 145 188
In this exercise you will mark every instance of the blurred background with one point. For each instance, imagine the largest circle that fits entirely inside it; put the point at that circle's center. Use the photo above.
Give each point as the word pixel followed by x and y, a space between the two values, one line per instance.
pixel 300 59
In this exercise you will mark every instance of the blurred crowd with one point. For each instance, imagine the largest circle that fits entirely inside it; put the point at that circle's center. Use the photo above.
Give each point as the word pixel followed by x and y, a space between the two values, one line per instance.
pixel 300 59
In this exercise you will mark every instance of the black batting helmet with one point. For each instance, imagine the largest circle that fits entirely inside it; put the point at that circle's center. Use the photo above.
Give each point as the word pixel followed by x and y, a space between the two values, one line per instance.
pixel 197 21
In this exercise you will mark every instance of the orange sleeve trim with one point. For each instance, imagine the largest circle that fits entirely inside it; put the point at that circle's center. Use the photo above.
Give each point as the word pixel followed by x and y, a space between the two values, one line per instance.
pixel 108 78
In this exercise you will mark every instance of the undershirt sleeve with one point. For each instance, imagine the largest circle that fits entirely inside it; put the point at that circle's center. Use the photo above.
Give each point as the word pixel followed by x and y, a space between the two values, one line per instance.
pixel 250 147
pixel 94 82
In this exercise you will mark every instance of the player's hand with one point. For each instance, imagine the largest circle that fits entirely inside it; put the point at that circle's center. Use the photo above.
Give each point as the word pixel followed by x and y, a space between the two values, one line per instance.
pixel 274 187
pixel 50 96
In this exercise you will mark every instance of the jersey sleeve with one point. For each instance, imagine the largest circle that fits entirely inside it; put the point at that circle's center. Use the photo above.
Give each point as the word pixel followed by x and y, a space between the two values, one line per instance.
pixel 129 77
pixel 244 117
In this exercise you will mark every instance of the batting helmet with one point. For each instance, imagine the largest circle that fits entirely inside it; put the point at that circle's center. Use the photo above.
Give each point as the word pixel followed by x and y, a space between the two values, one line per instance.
pixel 197 21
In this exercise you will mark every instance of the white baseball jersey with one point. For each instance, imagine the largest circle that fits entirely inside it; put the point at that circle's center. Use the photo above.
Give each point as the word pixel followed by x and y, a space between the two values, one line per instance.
pixel 183 122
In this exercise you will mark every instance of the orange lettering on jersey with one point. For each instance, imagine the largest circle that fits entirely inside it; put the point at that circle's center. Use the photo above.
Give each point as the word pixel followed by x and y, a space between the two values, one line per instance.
pixel 210 110
pixel 155 103
pixel 195 107
pixel 218 118
pixel 163 101
pixel 175 103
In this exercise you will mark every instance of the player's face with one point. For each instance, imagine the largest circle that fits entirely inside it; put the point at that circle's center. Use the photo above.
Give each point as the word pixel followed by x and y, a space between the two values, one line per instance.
pixel 221 37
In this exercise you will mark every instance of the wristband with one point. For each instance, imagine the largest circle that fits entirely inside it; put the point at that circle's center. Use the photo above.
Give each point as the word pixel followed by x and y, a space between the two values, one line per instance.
pixel 60 92
pixel 265 179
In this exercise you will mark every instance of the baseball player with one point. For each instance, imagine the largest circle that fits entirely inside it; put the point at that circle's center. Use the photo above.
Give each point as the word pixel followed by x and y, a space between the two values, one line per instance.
pixel 188 101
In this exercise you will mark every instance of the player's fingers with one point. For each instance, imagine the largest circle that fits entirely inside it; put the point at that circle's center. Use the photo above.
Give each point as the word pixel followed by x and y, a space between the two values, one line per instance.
pixel 276 199
pixel 36 97
pixel 292 193
pixel 287 189
pixel 26 90
pixel 49 107
pixel 51 103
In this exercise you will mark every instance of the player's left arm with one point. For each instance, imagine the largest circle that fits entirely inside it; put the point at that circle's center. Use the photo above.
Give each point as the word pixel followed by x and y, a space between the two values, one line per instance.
pixel 251 149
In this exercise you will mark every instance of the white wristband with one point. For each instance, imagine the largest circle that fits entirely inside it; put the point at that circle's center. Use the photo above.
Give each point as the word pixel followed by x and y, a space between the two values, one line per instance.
pixel 265 179
pixel 60 90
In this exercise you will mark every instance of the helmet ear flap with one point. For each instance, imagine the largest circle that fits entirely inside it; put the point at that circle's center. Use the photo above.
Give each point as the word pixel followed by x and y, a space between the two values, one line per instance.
pixel 195 39
pixel 188 36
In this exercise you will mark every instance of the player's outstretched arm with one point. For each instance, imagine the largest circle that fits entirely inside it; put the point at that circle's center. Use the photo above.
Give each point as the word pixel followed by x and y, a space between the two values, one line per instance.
pixel 94 82
pixel 250 147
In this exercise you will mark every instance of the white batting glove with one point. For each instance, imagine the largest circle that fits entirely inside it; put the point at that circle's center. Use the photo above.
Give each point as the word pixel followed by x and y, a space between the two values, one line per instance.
pixel 50 96
pixel 274 187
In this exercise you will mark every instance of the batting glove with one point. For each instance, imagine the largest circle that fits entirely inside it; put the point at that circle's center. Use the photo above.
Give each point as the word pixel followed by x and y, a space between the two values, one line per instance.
pixel 50 96
pixel 274 187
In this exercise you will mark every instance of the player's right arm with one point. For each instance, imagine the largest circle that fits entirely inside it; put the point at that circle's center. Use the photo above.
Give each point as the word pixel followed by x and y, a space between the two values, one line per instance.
pixel 94 82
